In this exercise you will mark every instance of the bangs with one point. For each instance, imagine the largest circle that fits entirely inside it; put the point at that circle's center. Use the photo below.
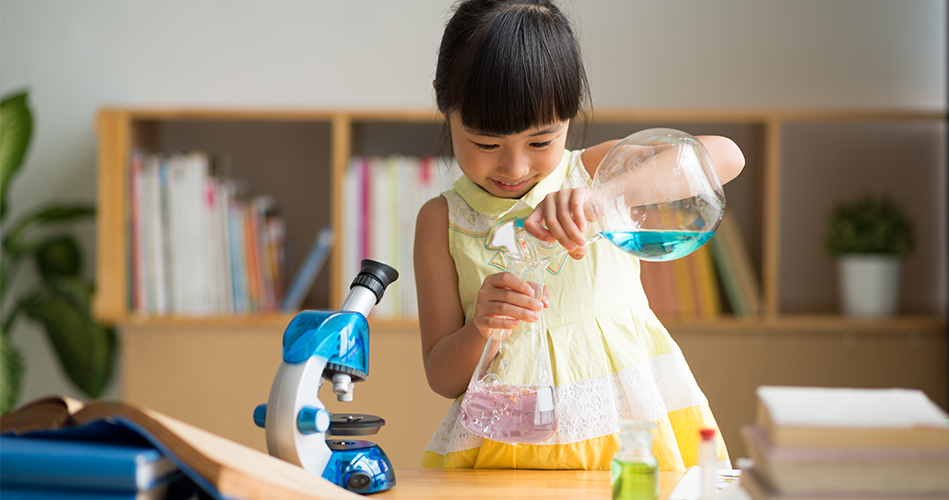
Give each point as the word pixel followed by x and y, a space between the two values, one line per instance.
pixel 522 75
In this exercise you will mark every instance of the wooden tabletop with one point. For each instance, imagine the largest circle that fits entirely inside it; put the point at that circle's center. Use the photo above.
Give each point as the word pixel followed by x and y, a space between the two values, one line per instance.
pixel 476 484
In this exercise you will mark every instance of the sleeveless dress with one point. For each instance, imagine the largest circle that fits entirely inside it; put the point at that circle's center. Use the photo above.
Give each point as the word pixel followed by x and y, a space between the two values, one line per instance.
pixel 611 357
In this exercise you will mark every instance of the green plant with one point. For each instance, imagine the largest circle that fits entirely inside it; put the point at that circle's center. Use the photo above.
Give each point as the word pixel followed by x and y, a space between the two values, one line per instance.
pixel 60 299
pixel 869 225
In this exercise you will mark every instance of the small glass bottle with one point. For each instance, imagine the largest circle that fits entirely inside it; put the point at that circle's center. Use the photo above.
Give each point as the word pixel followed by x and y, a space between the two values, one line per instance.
pixel 634 471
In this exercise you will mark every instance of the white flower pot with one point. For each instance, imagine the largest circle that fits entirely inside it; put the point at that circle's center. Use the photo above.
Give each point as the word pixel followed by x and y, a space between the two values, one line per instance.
pixel 869 284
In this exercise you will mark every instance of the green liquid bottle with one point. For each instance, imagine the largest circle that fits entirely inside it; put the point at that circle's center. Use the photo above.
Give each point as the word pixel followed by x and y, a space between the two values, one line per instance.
pixel 634 471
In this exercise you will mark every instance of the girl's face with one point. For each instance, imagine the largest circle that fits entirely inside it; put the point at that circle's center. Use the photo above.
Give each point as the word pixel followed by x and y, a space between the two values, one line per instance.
pixel 508 166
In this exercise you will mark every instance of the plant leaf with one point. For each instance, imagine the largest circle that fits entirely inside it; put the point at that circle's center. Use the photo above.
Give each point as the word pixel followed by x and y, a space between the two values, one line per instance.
pixel 73 289
pixel 85 349
pixel 16 127
pixel 11 374
pixel 51 214
pixel 869 225
pixel 58 256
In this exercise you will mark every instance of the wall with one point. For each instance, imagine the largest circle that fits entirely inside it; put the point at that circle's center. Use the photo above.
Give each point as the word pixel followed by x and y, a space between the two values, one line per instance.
pixel 77 56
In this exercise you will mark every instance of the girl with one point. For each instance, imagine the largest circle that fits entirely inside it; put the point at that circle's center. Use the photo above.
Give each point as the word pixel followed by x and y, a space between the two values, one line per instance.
pixel 508 80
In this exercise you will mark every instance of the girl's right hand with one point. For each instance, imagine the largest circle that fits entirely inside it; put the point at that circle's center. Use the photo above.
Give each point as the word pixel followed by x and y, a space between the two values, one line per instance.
pixel 505 300
pixel 561 217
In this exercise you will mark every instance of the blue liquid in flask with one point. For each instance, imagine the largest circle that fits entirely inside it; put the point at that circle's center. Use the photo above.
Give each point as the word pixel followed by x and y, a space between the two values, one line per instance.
pixel 658 245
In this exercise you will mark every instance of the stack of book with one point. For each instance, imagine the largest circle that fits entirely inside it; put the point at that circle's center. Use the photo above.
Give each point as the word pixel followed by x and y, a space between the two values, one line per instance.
pixel 197 246
pixel 71 466
pixel 837 443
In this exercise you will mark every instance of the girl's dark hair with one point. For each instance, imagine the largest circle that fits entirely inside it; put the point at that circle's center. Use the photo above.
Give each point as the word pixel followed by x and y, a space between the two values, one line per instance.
pixel 508 65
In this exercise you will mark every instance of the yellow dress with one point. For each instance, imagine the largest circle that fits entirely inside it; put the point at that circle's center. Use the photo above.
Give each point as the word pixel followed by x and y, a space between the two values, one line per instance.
pixel 611 357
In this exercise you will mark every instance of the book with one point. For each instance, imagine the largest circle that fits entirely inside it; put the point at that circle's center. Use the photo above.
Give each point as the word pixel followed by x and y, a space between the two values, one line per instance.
pixel 162 492
pixel 706 283
pixel 685 291
pixel 821 417
pixel 309 269
pixel 235 224
pixel 797 469
pixel 43 462
pixel 162 244
pixel 735 268
pixel 222 468
pixel 252 256
pixel 759 489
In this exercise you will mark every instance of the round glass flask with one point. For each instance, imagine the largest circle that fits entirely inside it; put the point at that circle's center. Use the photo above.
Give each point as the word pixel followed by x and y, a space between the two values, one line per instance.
pixel 634 471
pixel 656 195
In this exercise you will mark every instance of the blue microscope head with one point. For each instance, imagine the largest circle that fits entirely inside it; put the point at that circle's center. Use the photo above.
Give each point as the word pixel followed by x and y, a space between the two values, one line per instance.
pixel 342 337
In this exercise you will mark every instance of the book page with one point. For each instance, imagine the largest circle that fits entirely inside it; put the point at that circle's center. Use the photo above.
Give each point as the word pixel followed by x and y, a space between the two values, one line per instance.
pixel 52 412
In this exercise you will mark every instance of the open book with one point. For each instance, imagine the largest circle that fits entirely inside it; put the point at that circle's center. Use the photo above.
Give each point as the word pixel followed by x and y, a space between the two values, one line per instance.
pixel 223 468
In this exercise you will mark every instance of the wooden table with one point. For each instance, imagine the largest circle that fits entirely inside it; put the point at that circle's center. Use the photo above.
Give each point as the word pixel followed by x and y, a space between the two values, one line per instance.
pixel 476 484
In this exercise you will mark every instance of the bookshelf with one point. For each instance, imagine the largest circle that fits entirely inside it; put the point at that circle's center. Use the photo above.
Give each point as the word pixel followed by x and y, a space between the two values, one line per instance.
pixel 797 164
pixel 300 157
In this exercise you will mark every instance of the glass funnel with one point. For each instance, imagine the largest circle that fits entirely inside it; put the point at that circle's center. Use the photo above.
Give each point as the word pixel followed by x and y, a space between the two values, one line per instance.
pixel 511 395
pixel 656 195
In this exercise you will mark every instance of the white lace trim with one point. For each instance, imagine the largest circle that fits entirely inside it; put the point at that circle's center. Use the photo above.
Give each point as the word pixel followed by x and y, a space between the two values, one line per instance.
pixel 592 408
pixel 462 215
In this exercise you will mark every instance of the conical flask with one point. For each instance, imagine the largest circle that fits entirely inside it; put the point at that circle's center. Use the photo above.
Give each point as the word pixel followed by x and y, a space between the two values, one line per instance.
pixel 511 395
pixel 656 195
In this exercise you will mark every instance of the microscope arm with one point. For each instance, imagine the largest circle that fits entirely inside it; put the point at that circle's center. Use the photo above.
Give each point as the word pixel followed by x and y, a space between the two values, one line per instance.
pixel 295 388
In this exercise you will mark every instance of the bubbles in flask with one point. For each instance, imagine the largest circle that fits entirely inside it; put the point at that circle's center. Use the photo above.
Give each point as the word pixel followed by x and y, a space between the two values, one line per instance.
pixel 511 397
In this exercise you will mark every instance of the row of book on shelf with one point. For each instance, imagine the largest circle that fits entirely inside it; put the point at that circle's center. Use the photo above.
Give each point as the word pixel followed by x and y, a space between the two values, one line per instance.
pixel 700 284
pixel 382 198
pixel 199 246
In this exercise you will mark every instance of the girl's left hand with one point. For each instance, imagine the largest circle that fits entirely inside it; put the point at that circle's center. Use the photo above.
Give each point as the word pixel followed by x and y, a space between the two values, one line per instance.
pixel 560 217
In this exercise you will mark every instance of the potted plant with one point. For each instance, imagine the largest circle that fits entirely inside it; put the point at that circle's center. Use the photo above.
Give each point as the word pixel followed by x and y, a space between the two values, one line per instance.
pixel 869 236
pixel 59 299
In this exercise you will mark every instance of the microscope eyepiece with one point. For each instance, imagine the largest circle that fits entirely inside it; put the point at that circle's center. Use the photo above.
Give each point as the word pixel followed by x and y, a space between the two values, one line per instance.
pixel 375 276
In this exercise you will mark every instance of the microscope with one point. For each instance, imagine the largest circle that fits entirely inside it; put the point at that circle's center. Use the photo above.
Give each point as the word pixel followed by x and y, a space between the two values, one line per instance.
pixel 333 346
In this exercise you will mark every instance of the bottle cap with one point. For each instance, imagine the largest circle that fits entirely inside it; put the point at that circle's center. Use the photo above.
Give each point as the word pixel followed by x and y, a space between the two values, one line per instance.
pixel 707 434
